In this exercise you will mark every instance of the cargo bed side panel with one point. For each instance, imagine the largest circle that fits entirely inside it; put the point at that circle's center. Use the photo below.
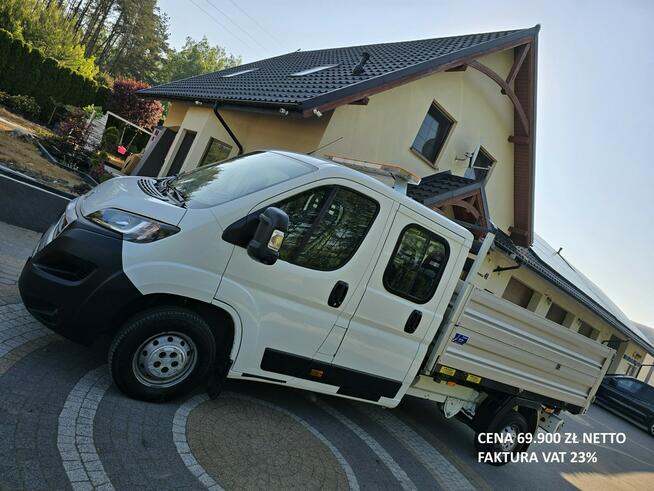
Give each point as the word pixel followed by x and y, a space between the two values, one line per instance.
pixel 514 346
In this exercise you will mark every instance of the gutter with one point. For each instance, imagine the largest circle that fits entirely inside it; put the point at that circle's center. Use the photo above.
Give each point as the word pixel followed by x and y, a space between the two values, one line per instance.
pixel 228 129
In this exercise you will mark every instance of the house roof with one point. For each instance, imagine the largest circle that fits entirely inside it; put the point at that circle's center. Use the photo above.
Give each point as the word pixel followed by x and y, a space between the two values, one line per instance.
pixel 547 263
pixel 270 83
pixel 441 186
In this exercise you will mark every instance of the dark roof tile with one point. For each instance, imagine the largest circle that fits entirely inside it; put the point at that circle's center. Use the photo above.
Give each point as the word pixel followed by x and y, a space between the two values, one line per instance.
pixel 272 81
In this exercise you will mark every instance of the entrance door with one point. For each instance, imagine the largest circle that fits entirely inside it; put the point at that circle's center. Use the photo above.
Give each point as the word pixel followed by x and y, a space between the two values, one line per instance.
pixel 290 308
pixel 404 296
pixel 182 152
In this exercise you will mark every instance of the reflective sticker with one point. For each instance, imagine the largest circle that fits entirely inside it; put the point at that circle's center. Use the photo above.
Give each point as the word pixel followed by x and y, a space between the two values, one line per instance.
pixel 447 371
pixel 460 338
pixel 473 378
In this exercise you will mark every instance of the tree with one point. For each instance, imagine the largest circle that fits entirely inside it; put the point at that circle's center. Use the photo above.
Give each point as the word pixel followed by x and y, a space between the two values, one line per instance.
pixel 195 58
pixel 44 26
pixel 124 102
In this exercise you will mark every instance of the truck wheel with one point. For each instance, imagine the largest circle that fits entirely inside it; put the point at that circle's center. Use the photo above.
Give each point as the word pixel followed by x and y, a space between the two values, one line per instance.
pixel 510 425
pixel 162 353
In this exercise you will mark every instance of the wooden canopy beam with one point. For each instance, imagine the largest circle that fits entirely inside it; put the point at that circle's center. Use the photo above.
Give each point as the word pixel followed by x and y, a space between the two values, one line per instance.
pixel 517 63
pixel 506 89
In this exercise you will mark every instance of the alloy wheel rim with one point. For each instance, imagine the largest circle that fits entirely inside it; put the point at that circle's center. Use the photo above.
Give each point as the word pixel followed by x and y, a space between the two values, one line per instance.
pixel 164 360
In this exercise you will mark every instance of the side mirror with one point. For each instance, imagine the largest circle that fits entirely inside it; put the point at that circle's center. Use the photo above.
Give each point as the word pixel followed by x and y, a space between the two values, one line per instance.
pixel 264 246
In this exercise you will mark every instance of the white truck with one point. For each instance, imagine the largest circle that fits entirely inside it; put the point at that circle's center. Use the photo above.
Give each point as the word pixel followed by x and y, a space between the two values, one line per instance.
pixel 288 269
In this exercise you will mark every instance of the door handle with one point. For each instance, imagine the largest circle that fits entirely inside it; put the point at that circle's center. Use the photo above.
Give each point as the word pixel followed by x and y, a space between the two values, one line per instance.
pixel 338 294
pixel 413 322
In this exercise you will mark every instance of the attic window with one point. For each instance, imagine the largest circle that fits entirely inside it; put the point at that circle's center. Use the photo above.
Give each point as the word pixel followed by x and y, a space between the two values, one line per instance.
pixel 312 70
pixel 433 133
pixel 241 72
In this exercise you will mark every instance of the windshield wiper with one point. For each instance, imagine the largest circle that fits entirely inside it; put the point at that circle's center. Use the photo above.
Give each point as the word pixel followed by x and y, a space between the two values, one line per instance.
pixel 166 186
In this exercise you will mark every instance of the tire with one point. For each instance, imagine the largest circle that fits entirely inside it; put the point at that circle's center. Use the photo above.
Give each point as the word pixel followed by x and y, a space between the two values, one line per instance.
pixel 162 353
pixel 650 427
pixel 517 424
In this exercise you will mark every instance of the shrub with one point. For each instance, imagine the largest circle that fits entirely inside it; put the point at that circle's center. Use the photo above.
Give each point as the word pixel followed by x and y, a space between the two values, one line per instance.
pixel 6 40
pixel 73 126
pixel 110 139
pixel 96 168
pixel 124 102
pixel 25 105
pixel 26 71
pixel 21 104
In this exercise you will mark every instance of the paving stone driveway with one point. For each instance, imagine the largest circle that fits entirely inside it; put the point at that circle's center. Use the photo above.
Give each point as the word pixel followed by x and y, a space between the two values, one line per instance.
pixel 63 425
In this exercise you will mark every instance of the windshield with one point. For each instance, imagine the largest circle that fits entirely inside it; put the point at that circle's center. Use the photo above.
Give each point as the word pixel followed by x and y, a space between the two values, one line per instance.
pixel 218 183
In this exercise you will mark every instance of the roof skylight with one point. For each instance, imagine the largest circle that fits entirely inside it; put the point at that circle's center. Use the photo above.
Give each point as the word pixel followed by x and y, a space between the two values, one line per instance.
pixel 241 72
pixel 312 70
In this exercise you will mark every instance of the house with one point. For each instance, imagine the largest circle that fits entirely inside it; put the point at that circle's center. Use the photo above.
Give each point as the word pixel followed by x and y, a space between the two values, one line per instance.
pixel 459 111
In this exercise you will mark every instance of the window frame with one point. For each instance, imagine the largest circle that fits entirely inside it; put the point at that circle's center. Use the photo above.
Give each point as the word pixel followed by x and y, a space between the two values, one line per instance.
pixel 489 169
pixel 439 152
pixel 208 147
pixel 321 214
pixel 438 278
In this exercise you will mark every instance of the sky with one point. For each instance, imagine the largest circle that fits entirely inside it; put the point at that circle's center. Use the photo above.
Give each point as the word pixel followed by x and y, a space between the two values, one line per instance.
pixel 594 171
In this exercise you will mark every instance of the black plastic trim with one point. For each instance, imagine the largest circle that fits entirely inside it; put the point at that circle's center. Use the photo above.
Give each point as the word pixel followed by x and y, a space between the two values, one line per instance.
pixel 75 285
pixel 350 382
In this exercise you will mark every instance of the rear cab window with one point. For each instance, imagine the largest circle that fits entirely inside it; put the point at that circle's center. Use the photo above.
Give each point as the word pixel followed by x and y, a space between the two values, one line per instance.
pixel 416 265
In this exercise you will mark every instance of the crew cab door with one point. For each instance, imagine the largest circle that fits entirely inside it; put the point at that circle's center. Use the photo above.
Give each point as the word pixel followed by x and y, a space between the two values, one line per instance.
pixel 404 300
pixel 288 309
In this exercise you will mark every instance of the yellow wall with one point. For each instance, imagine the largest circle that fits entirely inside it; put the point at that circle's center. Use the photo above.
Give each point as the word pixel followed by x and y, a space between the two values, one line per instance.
pixel 255 131
pixel 176 114
pixel 644 372
pixel 384 130
pixel 545 294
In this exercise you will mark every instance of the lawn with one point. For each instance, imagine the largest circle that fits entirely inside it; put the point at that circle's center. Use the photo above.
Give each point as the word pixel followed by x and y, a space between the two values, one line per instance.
pixel 10 121
pixel 23 156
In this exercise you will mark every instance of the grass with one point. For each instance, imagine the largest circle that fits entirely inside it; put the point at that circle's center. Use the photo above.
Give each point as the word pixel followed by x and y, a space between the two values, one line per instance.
pixel 25 157
pixel 9 121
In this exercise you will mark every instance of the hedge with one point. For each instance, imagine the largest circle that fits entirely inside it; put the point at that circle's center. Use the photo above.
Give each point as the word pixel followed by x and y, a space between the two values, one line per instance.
pixel 26 71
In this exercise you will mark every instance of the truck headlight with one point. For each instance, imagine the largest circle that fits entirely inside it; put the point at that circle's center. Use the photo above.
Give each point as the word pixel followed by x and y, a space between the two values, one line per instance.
pixel 133 228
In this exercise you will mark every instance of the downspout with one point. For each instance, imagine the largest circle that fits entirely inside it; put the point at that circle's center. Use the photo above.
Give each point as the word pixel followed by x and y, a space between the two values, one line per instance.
pixel 228 129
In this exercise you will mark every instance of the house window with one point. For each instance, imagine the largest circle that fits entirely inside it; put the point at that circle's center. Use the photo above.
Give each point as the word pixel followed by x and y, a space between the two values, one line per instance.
pixel 432 133
pixel 216 151
pixel 588 331
pixel 518 293
pixel 556 314
pixel 416 265
pixel 326 225
pixel 482 164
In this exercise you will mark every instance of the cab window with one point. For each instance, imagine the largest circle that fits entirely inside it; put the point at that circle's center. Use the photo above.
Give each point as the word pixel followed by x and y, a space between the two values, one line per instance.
pixel 416 265
pixel 326 226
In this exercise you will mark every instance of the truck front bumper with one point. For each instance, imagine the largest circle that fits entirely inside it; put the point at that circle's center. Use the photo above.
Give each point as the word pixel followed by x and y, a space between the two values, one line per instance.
pixel 74 281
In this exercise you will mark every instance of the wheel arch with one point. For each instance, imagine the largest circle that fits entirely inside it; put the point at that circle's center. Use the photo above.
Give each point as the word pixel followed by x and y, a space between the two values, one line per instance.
pixel 221 322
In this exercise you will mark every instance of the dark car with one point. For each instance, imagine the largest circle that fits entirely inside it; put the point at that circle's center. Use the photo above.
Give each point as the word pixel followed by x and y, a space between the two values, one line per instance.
pixel 629 398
